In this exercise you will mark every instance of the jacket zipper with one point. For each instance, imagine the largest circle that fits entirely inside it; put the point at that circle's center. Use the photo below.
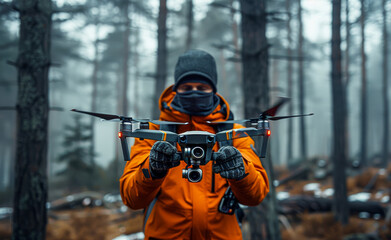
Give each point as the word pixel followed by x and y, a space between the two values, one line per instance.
pixel 213 180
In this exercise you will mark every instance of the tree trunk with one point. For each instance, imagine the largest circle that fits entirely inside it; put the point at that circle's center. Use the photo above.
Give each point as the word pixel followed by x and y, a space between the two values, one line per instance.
pixel 341 207
pixel 161 66
pixel 118 153
pixel 136 73
pixel 363 128
pixel 347 74
pixel 301 89
pixel 126 50
pixel 223 77
pixel 235 41
pixel 385 88
pixel 122 83
pixel 254 57
pixel 30 195
pixel 189 37
pixel 256 98
pixel 289 84
pixel 94 81
pixel 237 64
pixel 275 76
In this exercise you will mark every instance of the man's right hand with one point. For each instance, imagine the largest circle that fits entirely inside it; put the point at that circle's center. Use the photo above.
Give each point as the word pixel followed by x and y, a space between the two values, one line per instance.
pixel 161 158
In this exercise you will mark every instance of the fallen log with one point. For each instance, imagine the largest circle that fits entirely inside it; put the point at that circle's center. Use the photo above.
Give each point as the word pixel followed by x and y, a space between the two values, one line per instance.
pixel 299 173
pixel 303 203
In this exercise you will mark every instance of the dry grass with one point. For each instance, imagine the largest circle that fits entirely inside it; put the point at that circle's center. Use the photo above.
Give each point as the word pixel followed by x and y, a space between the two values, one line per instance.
pixel 93 223
pixel 89 223
pixel 385 231
pixel 5 230
pixel 361 181
pixel 322 226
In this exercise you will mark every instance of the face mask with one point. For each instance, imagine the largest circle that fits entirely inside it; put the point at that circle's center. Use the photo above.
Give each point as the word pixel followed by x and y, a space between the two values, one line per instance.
pixel 196 102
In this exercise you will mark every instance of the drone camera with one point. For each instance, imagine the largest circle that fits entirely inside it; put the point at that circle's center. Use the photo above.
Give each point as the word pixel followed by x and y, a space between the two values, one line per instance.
pixel 197 153
pixel 194 154
pixel 193 157
pixel 192 174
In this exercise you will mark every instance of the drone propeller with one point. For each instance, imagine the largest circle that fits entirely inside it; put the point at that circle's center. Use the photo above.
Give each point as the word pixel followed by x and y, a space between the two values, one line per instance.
pixel 101 115
pixel 111 117
pixel 159 122
pixel 289 116
pixel 273 110
pixel 266 115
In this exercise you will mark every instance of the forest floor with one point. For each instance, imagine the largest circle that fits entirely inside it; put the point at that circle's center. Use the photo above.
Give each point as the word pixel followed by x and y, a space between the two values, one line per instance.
pixel 96 223
pixel 372 187
pixel 110 221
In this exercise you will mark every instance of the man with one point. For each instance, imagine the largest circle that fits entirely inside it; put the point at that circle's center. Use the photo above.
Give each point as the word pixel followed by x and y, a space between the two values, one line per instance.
pixel 152 179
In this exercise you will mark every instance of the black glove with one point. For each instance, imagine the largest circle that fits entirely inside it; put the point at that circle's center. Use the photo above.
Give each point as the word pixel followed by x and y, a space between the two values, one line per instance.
pixel 229 163
pixel 161 158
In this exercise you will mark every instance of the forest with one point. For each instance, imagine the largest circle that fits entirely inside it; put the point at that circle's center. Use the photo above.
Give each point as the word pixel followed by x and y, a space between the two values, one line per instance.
pixel 329 173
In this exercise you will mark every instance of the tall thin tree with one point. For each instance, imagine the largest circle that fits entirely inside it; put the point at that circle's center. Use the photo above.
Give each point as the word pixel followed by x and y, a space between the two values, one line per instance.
pixel 386 117
pixel 123 74
pixel 125 57
pixel 341 207
pixel 235 41
pixel 363 96
pixel 30 195
pixel 136 60
pixel 190 23
pixel 94 81
pixel 161 64
pixel 255 62
pixel 289 80
pixel 301 85
pixel 347 70
pixel 237 50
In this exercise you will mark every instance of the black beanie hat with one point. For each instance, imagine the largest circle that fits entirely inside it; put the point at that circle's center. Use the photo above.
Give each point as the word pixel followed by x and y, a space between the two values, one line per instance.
pixel 196 63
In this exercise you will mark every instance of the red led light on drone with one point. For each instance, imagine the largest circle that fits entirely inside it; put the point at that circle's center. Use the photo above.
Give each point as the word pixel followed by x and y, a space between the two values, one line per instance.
pixel 268 132
pixel 120 134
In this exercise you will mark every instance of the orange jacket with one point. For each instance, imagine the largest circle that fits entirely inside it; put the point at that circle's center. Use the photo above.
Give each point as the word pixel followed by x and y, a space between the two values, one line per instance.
pixel 185 210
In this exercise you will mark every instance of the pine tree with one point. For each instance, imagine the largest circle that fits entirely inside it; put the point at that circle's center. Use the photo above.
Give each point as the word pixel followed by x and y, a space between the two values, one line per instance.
pixel 76 157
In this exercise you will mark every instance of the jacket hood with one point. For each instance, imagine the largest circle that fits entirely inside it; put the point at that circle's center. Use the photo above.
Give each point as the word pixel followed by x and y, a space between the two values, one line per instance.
pixel 221 113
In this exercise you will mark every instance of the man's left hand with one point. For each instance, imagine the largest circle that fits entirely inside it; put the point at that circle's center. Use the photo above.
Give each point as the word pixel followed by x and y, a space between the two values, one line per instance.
pixel 229 163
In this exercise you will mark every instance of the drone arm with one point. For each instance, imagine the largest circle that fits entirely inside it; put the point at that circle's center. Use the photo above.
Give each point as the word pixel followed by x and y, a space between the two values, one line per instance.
pixel 125 148
pixel 264 147
pixel 158 135
pixel 238 133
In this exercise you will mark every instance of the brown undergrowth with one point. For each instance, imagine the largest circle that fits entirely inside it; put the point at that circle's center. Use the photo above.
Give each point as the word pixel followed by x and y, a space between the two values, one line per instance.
pixel 96 223
pixel 322 226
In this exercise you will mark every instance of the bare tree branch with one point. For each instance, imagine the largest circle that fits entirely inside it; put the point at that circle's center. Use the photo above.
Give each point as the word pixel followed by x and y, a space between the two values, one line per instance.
pixel 7 7
pixel 8 44
pixel 70 9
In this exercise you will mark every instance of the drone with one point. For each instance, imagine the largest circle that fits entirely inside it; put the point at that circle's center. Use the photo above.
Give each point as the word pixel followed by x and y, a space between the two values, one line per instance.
pixel 196 145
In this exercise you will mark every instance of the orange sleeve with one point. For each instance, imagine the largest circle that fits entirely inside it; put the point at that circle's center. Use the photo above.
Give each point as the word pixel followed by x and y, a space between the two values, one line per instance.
pixel 252 189
pixel 136 187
